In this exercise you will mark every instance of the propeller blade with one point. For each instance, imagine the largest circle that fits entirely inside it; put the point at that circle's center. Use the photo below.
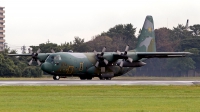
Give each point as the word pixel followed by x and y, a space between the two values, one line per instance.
pixel 126 49
pixel 38 62
pixel 38 51
pixel 30 62
pixel 100 59
pixel 121 63
pixel 95 52
pixel 103 50
pixel 118 52
pixel 97 64
pixel 105 61
pixel 52 51
pixel 130 60
pixel 30 51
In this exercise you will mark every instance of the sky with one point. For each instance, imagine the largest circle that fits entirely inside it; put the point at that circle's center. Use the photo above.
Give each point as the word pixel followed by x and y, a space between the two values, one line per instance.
pixel 32 22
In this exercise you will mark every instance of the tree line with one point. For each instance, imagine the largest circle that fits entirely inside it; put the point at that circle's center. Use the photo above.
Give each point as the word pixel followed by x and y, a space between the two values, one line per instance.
pixel 177 39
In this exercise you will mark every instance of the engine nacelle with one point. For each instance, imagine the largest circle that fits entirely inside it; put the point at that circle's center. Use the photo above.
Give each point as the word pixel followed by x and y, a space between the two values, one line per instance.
pixel 133 64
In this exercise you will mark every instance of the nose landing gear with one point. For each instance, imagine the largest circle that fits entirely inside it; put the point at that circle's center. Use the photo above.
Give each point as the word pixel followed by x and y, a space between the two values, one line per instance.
pixel 56 77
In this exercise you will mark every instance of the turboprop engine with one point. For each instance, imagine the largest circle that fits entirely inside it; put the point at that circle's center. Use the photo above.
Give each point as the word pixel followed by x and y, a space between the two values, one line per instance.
pixel 133 64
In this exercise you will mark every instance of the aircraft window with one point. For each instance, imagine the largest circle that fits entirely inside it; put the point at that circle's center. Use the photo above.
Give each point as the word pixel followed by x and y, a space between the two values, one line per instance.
pixel 57 57
pixel 50 58
pixel 53 58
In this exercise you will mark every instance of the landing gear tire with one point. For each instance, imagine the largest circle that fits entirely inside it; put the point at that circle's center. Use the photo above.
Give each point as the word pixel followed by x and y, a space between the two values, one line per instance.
pixel 89 78
pixel 82 78
pixel 56 77
pixel 102 78
pixel 108 78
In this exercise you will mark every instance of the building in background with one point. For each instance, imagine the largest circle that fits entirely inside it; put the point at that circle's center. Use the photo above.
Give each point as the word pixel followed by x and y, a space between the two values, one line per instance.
pixel 2 26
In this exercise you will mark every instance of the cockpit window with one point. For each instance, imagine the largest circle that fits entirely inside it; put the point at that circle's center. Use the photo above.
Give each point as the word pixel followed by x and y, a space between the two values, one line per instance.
pixel 57 57
pixel 53 58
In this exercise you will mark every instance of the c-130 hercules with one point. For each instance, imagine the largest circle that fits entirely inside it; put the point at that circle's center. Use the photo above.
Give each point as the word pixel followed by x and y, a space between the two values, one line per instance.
pixel 104 65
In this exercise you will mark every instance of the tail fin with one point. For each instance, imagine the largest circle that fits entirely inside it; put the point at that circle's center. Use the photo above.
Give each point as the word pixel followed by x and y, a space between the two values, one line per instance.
pixel 146 39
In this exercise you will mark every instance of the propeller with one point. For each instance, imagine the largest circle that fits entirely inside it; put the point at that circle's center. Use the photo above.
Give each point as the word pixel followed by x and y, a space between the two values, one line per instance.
pixel 30 51
pixel 34 57
pixel 52 51
pixel 125 57
pixel 61 50
pixel 101 61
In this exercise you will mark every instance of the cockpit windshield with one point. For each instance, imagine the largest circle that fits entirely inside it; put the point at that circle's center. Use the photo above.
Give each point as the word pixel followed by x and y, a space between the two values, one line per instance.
pixel 53 58
pixel 57 57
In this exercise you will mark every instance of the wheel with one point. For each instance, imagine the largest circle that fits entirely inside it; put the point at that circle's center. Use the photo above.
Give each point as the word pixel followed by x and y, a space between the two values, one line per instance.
pixel 101 78
pixel 56 77
pixel 89 78
pixel 108 78
pixel 83 78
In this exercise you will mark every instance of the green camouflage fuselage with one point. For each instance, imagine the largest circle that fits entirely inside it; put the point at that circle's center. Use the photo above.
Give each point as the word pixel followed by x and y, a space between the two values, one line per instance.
pixel 77 64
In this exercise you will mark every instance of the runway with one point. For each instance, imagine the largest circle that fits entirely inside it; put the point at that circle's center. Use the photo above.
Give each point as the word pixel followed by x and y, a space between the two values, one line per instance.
pixel 99 82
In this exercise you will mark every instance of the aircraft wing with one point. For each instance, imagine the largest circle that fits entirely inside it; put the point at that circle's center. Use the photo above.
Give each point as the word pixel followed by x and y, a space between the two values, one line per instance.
pixel 30 54
pixel 162 54
pixel 39 57
pixel 19 54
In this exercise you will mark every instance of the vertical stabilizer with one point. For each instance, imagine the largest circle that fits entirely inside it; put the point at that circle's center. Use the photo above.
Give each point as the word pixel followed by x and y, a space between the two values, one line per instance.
pixel 146 39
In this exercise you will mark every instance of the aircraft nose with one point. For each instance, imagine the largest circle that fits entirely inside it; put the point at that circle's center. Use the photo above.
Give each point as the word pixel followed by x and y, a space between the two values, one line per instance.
pixel 47 67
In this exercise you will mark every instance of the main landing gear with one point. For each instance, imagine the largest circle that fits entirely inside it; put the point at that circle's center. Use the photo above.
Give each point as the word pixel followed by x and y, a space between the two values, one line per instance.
pixel 56 77
pixel 86 78
pixel 105 78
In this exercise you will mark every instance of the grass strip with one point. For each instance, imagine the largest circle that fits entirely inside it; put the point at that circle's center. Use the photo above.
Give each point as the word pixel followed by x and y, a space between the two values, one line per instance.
pixel 99 98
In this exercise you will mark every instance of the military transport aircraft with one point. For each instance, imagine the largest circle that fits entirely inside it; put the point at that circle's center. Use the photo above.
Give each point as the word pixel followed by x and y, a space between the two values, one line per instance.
pixel 104 65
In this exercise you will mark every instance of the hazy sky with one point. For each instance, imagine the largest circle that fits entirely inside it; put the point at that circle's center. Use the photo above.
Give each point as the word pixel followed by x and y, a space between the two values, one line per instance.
pixel 31 22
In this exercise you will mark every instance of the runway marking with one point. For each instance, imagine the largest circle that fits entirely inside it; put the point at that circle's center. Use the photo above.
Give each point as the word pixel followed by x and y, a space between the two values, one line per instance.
pixel 100 82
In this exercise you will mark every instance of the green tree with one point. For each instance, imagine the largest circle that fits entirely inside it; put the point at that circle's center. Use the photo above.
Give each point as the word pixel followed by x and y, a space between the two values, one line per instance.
pixel 8 68
pixel 164 43
pixel 196 29
pixel 32 71
pixel 181 65
pixel 196 57
pixel 79 45
pixel 124 34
